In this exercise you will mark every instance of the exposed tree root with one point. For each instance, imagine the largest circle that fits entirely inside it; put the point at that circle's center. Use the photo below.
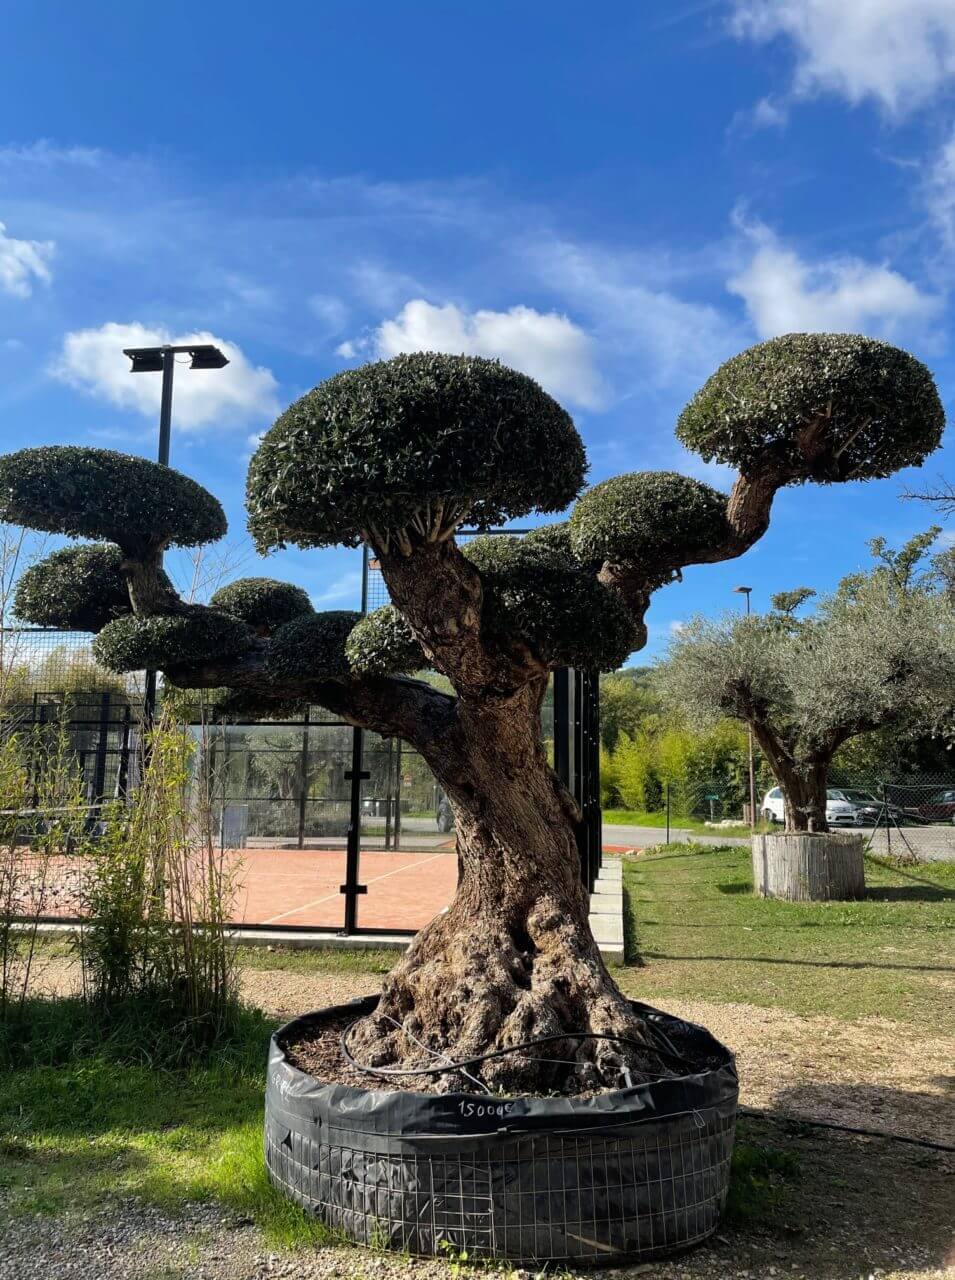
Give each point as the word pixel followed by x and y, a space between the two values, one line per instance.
pixel 466 990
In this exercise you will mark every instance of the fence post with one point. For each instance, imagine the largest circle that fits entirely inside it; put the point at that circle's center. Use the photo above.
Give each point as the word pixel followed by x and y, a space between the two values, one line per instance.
pixel 888 821
pixel 667 788
pixel 303 793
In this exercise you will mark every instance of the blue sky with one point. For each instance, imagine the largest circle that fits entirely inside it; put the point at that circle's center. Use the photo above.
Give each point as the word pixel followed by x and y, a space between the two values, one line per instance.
pixel 614 198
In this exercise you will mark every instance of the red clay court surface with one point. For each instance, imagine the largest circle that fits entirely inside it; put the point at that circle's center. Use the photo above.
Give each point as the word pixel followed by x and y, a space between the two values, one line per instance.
pixel 301 887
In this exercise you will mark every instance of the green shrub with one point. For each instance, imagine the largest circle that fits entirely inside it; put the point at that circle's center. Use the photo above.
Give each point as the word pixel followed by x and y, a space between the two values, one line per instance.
pixel 382 643
pixel 98 493
pixel 637 518
pixel 157 897
pixel 311 647
pixel 875 408
pixel 569 617
pixel 76 587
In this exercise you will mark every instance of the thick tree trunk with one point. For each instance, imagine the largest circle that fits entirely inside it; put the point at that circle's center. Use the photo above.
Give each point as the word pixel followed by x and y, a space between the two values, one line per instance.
pixel 803 784
pixel 513 957
pixel 804 790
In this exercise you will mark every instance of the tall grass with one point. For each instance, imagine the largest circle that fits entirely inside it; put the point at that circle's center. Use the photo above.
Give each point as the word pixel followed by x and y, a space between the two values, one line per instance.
pixel 157 896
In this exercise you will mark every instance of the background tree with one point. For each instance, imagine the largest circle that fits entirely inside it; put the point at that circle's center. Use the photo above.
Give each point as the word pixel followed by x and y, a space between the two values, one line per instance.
pixel 398 455
pixel 878 652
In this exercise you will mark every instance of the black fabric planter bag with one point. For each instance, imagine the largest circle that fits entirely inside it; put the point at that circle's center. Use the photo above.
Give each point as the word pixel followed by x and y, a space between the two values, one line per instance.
pixel 630 1174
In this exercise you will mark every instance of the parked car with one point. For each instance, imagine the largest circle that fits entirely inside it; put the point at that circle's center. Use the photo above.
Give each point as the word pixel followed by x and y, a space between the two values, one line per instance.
pixel 939 807
pixel 839 811
pixel 869 808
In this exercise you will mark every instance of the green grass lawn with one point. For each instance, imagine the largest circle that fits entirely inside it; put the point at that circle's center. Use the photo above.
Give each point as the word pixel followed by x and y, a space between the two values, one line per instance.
pixel 695 931
pixel 91 1115
pixel 87 1119
pixel 642 818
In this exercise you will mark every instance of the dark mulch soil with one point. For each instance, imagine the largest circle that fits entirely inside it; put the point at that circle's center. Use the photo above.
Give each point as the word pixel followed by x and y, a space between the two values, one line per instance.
pixel 318 1052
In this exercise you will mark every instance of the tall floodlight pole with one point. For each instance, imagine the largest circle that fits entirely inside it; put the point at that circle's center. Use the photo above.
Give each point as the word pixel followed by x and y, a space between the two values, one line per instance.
pixel 162 360
pixel 747 592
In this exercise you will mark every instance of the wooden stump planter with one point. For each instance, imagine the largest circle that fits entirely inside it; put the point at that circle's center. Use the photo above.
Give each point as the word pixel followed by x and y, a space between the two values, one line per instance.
pixel 800 866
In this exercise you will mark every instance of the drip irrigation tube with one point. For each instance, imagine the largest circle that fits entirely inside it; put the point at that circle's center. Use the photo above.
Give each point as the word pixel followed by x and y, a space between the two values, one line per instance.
pixel 778 1117
pixel 388 1072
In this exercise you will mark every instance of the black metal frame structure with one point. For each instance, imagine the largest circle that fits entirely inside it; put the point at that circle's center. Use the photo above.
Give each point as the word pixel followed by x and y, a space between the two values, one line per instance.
pixel 576 760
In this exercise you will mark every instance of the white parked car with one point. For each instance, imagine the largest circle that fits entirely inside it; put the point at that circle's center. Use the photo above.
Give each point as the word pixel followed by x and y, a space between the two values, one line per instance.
pixel 839 810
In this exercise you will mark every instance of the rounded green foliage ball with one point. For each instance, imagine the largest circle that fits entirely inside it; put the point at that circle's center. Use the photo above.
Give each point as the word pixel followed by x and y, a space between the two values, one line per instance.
pixel 378 445
pixel 98 493
pixel 382 643
pixel 77 587
pixel 637 518
pixel 556 538
pixel 262 603
pixel 242 705
pixel 562 611
pixel 820 406
pixel 311 647
pixel 170 640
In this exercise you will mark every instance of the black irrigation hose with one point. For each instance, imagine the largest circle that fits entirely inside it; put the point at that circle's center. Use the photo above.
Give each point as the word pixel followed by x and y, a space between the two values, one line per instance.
pixel 387 1072
pixel 778 1117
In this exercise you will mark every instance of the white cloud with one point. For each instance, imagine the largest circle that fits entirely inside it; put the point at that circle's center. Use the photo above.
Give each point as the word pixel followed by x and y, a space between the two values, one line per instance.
pixel 940 193
pixel 547 346
pixel 93 360
pixel 347 587
pixel 654 337
pixel 22 263
pixel 900 53
pixel 785 294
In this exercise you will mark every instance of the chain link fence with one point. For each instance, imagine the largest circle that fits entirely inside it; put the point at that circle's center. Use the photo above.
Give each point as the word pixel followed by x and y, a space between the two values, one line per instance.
pixel 911 818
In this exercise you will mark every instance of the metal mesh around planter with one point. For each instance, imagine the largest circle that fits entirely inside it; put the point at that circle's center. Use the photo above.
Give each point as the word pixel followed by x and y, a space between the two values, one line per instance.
pixel 630 1174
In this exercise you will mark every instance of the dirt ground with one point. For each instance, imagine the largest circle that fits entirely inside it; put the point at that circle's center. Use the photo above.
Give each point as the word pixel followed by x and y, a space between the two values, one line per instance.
pixel 852 1207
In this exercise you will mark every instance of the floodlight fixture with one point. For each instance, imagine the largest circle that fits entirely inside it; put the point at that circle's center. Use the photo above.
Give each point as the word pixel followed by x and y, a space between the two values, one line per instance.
pixel 203 355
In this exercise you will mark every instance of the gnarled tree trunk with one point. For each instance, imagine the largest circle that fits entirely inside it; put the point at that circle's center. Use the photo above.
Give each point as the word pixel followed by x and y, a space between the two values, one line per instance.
pixel 513 957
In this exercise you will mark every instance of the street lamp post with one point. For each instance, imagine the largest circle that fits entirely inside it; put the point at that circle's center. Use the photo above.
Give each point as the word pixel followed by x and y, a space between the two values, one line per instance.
pixel 747 592
pixel 163 360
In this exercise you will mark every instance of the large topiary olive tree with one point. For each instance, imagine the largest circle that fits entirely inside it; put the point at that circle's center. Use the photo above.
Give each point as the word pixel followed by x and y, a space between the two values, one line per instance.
pixel 398 455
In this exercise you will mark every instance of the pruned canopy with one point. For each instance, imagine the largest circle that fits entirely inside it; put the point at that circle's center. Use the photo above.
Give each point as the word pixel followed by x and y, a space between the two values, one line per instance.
pixel 311 647
pixel 98 493
pixel 166 642
pixel 398 454
pixel 262 603
pixel 532 593
pixel 80 587
pixel 421 442
pixel 638 518
pixel 382 644
pixel 817 406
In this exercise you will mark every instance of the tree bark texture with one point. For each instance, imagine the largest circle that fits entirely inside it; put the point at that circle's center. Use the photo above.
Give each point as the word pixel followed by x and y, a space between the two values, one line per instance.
pixel 513 957
pixel 808 867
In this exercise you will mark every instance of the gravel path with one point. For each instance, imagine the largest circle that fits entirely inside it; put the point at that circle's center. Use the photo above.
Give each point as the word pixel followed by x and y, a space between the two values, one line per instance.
pixel 862 1207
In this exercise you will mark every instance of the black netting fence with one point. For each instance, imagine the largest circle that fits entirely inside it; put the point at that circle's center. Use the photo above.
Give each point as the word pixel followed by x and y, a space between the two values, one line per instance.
pixel 900 817
pixel 345 799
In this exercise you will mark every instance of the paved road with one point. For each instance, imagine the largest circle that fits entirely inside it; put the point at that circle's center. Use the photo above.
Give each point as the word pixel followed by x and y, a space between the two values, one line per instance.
pixel 934 843
pixel 646 837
